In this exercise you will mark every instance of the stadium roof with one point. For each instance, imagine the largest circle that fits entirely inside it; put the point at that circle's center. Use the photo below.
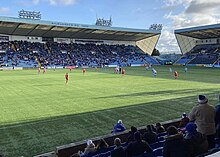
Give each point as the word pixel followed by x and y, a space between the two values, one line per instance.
pixel 201 32
pixel 41 28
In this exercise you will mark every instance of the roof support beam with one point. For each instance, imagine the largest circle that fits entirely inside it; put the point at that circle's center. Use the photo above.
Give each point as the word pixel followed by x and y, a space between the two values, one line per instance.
pixel 48 31
pixel 16 28
pixel 32 29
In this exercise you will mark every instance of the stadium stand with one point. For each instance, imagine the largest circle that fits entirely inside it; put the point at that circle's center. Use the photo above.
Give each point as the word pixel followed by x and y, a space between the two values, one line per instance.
pixel 52 54
pixel 199 45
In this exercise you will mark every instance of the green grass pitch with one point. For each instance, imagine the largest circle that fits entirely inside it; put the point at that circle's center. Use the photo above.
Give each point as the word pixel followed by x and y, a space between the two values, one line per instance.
pixel 40 112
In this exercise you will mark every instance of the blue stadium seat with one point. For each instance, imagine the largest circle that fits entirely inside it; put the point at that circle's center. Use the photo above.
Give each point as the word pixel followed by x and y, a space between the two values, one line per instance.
pixel 106 154
pixel 158 152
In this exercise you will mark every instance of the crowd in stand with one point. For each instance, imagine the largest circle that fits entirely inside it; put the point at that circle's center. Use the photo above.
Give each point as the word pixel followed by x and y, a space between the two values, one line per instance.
pixel 72 54
pixel 196 134
pixel 201 54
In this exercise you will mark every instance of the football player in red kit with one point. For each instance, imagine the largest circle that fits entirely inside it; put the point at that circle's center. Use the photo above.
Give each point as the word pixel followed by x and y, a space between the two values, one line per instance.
pixel 84 71
pixel 123 72
pixel 176 74
pixel 67 78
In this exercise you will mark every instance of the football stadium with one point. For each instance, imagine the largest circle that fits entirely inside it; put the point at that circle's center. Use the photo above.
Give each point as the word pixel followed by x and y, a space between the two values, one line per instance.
pixel 88 90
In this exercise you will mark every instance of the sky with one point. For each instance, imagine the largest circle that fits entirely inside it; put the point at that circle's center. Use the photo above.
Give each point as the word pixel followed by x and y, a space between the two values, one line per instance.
pixel 172 14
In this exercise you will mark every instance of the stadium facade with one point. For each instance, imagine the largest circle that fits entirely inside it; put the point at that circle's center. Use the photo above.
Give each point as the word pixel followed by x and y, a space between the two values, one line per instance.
pixel 188 38
pixel 30 30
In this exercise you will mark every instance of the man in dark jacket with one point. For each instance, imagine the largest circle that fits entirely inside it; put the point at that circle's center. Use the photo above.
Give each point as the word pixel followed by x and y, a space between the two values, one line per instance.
pixel 217 120
pixel 118 150
pixel 174 145
pixel 196 142
pixel 131 135
pixel 150 136
pixel 138 147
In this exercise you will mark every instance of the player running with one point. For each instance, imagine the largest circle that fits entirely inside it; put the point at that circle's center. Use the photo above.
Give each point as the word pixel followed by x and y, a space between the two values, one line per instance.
pixel 154 72
pixel 176 75
pixel 45 70
pixel 67 78
pixel 84 71
pixel 70 69
pixel 171 71
pixel 38 70
pixel 123 73
pixel 185 69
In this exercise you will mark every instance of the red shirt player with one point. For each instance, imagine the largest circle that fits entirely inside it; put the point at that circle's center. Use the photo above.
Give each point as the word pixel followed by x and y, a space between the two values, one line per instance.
pixel 39 70
pixel 123 72
pixel 70 69
pixel 45 70
pixel 67 78
pixel 176 74
pixel 84 71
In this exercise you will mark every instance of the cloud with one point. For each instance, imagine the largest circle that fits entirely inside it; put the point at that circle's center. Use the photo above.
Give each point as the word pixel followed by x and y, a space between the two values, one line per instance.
pixel 192 13
pixel 62 2
pixel 35 2
pixel 167 42
pixel 4 10
pixel 203 7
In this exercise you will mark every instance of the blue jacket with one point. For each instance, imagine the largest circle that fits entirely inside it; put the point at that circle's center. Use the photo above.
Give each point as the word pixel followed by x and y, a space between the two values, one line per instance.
pixel 119 127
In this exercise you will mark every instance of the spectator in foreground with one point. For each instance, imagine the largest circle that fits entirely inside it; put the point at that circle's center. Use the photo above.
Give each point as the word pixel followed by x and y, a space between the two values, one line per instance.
pixel 102 145
pixel 150 136
pixel 118 150
pixel 138 147
pixel 217 120
pixel 131 135
pixel 174 145
pixel 119 127
pixel 196 142
pixel 160 128
pixel 184 120
pixel 74 155
pixel 90 148
pixel 204 116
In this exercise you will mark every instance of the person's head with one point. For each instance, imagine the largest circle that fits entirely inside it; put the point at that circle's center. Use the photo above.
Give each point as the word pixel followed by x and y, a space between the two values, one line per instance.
pixel 172 130
pixel 149 128
pixel 89 142
pixel 158 125
pixel 133 129
pixel 184 115
pixel 66 73
pixel 117 141
pixel 119 121
pixel 191 128
pixel 137 136
pixel 202 99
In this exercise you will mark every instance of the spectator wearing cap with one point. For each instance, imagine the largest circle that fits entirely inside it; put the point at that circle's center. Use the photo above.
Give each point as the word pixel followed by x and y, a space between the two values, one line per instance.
pixel 118 150
pixel 196 142
pixel 204 116
pixel 217 120
pixel 119 127
pixel 174 145
pixel 150 136
pixel 137 147
pixel 90 148
pixel 184 120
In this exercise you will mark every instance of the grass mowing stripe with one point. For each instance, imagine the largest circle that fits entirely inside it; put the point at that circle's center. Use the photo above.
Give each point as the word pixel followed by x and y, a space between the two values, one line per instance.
pixel 39 112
